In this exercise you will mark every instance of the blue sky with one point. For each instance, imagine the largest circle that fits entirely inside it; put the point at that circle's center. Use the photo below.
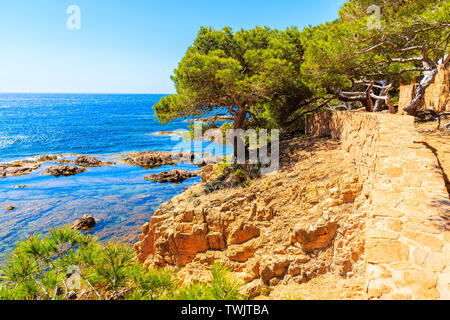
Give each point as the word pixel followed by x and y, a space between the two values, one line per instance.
pixel 123 46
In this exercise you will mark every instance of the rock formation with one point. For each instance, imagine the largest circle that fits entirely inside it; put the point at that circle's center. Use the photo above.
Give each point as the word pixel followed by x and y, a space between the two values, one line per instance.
pixel 208 160
pixel 174 176
pixel 18 168
pixel 293 226
pixel 87 162
pixel 64 170
pixel 152 159
pixel 86 222
pixel 46 158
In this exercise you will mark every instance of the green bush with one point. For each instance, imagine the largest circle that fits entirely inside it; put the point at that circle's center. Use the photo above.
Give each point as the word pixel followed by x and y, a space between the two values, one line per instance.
pixel 42 268
pixel 221 287
pixel 242 177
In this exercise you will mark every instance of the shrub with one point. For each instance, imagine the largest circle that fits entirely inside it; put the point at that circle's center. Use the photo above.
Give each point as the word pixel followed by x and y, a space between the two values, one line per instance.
pixel 42 268
pixel 221 287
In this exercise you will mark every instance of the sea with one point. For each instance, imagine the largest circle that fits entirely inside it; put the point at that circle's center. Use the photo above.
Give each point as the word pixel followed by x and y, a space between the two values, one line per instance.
pixel 106 126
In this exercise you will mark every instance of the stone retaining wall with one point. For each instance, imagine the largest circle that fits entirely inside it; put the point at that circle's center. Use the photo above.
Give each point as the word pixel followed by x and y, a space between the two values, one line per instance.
pixel 407 254
pixel 437 95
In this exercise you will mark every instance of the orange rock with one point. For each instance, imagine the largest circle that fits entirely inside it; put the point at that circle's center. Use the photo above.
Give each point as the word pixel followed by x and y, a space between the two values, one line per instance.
pixel 315 237
pixel 243 232
pixel 216 241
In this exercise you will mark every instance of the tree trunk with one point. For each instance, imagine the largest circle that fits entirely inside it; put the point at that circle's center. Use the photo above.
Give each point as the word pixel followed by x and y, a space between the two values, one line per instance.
pixel 239 119
pixel 428 78
pixel 368 101
pixel 384 99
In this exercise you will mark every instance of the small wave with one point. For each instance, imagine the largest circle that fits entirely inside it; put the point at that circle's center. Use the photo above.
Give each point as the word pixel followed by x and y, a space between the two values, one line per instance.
pixel 6 141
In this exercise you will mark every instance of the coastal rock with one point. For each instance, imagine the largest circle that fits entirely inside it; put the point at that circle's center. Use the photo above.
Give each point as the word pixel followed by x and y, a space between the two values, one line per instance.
pixel 86 222
pixel 149 159
pixel 273 267
pixel 18 168
pixel 46 158
pixel 207 172
pixel 84 161
pixel 250 229
pixel 64 170
pixel 252 289
pixel 174 176
pixel 153 159
pixel 208 161
pixel 242 232
pixel 315 237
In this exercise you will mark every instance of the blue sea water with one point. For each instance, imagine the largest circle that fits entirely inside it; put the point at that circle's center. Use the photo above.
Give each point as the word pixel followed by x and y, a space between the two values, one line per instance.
pixel 101 125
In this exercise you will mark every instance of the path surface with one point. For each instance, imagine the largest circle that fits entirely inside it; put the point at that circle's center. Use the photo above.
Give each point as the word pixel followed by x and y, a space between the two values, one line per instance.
pixel 439 141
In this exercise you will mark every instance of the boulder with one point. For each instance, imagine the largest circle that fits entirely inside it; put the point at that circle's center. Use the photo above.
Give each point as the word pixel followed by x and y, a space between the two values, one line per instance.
pixel 208 160
pixel 242 232
pixel 84 161
pixel 273 266
pixel 316 236
pixel 18 168
pixel 64 170
pixel 46 158
pixel 86 222
pixel 174 176
pixel 153 159
pixel 149 159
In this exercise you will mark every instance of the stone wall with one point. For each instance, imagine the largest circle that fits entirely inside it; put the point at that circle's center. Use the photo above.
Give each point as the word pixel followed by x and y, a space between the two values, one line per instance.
pixel 437 95
pixel 407 254
pixel 407 93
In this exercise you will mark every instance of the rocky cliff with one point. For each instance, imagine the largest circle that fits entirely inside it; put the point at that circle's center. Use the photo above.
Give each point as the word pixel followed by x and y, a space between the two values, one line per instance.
pixel 305 221
pixel 407 254
pixel 362 216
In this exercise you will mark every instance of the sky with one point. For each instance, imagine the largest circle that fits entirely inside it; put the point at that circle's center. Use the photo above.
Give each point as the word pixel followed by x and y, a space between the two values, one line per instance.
pixel 124 46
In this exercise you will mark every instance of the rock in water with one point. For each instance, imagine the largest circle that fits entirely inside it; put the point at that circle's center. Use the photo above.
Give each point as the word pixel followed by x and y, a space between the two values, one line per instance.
pixel 174 176
pixel 150 159
pixel 153 159
pixel 84 161
pixel 65 170
pixel 46 158
pixel 18 168
pixel 86 222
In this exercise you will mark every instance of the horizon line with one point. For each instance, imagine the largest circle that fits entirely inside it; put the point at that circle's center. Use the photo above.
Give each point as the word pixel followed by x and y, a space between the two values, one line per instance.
pixel 118 93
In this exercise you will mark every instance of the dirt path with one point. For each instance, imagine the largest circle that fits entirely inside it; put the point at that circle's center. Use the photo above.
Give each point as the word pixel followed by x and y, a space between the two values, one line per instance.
pixel 439 142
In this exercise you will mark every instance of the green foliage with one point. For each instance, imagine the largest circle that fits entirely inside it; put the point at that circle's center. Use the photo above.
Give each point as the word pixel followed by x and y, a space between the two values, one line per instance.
pixel 150 284
pixel 204 127
pixel 242 177
pixel 38 270
pixel 336 53
pixel 221 287
pixel 249 74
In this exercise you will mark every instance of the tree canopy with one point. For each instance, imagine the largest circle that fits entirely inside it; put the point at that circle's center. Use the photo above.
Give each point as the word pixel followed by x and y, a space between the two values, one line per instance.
pixel 354 55
pixel 271 78
pixel 246 74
